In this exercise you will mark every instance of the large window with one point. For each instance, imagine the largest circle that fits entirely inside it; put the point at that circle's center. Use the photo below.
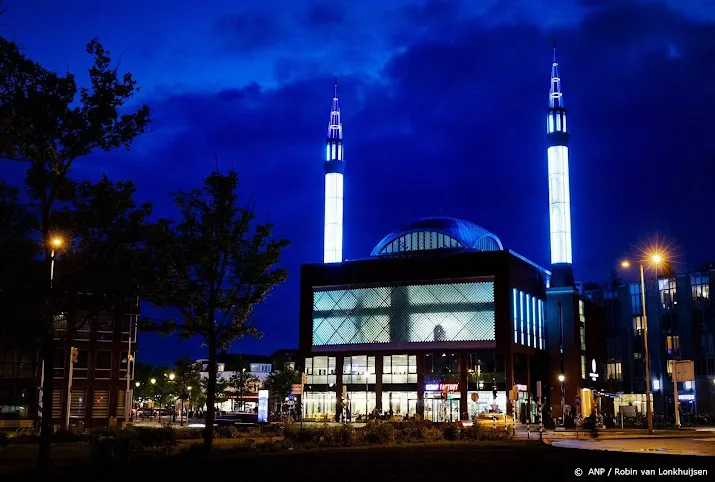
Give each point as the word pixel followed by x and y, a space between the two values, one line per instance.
pixel 399 369
pixel 81 368
pixel 128 327
pixel 320 370
pixel 672 345
pixel 430 313
pixel 359 369
pixel 700 286
pixel 668 292
pixel 103 364
pixel 58 364
pixel 421 241
pixel 105 327
pixel 59 326
pixel 636 305
pixel 528 319
pixel 614 371
pixel 100 404
pixel 17 363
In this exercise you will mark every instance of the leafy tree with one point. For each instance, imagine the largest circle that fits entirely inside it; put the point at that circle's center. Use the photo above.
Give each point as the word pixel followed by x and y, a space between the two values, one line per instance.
pixel 214 267
pixel 47 122
pixel 279 382
pixel 242 383
pixel 188 380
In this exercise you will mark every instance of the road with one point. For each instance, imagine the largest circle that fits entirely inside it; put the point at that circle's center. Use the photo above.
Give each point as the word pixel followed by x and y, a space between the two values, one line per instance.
pixel 702 446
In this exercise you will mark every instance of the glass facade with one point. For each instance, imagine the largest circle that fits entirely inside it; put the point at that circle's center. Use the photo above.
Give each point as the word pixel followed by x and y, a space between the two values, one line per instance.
pixel 528 319
pixel 445 312
pixel 400 404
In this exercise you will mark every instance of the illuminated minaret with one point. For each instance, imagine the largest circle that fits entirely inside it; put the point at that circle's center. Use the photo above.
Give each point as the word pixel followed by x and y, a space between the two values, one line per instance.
pixel 334 168
pixel 559 195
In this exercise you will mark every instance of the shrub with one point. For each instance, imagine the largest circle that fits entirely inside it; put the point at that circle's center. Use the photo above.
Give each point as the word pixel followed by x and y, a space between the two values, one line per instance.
pixel 226 431
pixel 154 437
pixel 63 435
pixel 111 451
pixel 412 430
pixel 25 435
pixel 451 431
pixel 380 432
pixel 432 434
pixel 3 439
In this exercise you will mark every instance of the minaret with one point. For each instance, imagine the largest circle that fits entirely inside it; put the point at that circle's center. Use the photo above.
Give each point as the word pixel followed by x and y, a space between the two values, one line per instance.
pixel 334 168
pixel 557 138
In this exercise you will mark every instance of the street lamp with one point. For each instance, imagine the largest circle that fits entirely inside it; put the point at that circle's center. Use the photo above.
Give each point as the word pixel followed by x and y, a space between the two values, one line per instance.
pixel 137 384
pixel 563 400
pixel 172 376
pixel 655 258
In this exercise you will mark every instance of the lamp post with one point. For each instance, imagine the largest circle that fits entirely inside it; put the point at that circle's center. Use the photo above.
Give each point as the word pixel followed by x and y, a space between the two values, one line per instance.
pixel 153 382
pixel 366 374
pixel 656 259
pixel 55 243
pixel 563 401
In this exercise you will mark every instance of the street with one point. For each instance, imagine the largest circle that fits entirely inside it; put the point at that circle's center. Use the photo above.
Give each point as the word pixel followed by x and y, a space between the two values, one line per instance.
pixel 702 446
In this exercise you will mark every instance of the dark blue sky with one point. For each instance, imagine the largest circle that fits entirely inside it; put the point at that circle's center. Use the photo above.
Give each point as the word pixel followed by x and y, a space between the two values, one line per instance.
pixel 443 107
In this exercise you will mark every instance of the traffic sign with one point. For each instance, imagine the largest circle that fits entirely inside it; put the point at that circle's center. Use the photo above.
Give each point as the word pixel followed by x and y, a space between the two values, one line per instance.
pixel 577 401
pixel 291 398
pixel 296 389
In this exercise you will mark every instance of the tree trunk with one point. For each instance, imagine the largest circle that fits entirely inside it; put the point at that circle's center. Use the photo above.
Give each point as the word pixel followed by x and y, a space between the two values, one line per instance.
pixel 43 458
pixel 211 392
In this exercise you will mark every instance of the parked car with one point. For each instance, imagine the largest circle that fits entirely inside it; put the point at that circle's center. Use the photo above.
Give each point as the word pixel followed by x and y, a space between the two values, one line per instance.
pixel 487 420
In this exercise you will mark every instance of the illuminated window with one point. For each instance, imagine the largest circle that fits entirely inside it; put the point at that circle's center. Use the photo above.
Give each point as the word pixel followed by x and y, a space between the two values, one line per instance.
pixel 334 153
pixel 327 152
pixel 521 315
pixel 614 371
pixel 558 123
pixel 638 325
pixel 541 325
pixel 581 312
pixel 516 316
pixel 340 153
pixel 528 320
pixel 700 286
pixel 583 366
pixel 668 292
pixel 551 123
pixel 672 345
pixel 533 322
pixel 563 115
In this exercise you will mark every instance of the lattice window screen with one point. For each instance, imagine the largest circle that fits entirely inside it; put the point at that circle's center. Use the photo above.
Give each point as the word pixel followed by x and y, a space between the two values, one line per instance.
pixel 398 314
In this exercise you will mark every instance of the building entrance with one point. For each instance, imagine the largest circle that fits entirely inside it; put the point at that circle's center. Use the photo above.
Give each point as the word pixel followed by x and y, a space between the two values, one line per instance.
pixel 440 410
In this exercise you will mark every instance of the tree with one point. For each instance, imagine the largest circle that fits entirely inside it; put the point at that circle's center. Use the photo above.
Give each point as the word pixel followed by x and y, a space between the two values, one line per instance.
pixel 214 267
pixel 188 380
pixel 279 382
pixel 242 383
pixel 48 122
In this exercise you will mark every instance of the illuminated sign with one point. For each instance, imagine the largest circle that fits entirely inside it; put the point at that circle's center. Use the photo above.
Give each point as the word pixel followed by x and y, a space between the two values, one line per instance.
pixel 593 374
pixel 441 387
pixel 689 396
pixel 521 388
pixel 262 405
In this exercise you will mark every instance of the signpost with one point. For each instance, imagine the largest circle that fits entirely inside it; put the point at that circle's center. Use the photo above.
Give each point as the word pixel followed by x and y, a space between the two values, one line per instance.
pixel 538 397
pixel 683 371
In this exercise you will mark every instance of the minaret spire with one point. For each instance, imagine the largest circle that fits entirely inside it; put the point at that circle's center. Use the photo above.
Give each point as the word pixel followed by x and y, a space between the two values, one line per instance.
pixel 557 138
pixel 334 169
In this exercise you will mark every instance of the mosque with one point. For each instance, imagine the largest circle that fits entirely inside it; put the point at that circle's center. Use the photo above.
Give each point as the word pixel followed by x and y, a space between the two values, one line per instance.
pixel 441 320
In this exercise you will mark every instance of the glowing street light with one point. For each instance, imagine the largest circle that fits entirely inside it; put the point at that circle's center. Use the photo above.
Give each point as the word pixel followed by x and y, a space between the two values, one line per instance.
pixel 654 258
pixel 172 376
pixel 137 384
pixel 153 381
pixel 563 400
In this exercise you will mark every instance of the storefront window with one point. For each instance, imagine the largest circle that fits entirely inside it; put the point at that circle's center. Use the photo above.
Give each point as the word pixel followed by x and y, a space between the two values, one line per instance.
pixel 356 406
pixel 399 403
pixel 485 402
pixel 320 406
pixel 439 409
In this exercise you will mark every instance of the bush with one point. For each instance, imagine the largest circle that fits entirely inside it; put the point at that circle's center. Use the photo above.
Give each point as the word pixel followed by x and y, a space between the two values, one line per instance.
pixel 25 435
pixel 380 432
pixel 154 437
pixel 412 430
pixel 63 435
pixel 226 431
pixel 345 435
pixel 432 434
pixel 189 434
pixel 452 431
pixel 112 451
pixel 3 439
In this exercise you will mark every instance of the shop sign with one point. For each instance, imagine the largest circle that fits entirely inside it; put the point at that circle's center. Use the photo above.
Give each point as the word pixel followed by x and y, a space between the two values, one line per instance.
pixel 521 388
pixel 594 372
pixel 441 387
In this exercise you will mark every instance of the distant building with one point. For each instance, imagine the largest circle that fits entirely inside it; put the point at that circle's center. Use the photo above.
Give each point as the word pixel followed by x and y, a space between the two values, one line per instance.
pixel 258 366
pixel 681 326
pixel 98 394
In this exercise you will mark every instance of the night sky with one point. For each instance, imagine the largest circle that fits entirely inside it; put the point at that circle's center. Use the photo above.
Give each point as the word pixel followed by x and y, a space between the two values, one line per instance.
pixel 443 107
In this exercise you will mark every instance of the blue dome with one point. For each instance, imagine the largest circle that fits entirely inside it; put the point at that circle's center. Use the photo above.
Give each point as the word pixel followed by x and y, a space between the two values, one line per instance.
pixel 438 233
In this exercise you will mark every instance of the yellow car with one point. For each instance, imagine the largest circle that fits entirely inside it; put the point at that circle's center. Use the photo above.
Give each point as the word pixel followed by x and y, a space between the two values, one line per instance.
pixel 489 420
